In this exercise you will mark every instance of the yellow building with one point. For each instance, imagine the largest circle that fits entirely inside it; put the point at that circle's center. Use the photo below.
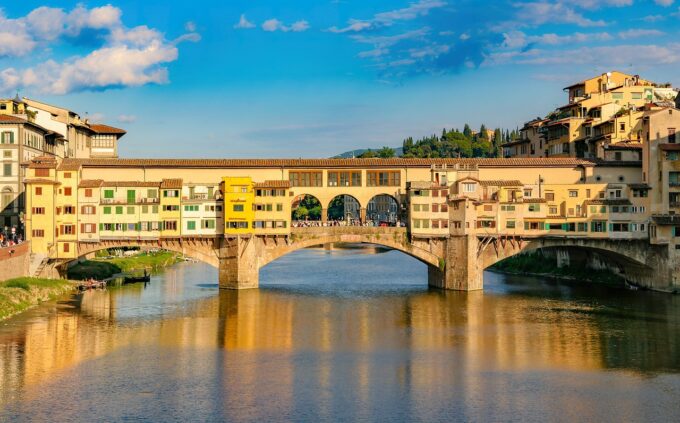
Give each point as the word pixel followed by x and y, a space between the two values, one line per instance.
pixel 239 214
pixel 271 208
pixel 170 208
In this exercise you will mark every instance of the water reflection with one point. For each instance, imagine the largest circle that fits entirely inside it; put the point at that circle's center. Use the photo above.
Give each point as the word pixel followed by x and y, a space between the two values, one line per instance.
pixel 341 335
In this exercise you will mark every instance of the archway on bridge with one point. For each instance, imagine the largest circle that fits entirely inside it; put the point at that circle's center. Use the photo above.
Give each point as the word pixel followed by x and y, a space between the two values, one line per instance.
pixel 306 207
pixel 345 208
pixel 575 263
pixel 383 209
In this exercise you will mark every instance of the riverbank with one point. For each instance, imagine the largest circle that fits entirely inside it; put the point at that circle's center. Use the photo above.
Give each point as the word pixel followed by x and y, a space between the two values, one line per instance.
pixel 20 294
pixel 535 264
pixel 101 268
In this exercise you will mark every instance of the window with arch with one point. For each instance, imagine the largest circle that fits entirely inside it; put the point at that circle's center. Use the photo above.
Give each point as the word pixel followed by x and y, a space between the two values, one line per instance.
pixel 7 198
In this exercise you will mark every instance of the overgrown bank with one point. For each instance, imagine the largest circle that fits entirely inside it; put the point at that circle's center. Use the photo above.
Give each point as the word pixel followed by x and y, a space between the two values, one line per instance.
pixel 102 268
pixel 19 294
pixel 538 264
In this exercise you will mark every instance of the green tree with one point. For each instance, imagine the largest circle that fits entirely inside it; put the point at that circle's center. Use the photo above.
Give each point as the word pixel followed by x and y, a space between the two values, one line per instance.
pixel 386 153
pixel 368 154
pixel 467 131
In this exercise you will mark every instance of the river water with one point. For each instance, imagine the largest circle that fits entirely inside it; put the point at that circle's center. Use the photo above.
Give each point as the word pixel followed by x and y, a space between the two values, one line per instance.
pixel 344 335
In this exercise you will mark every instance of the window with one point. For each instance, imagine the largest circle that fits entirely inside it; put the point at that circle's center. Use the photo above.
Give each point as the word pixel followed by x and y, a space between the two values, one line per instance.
pixel 671 135
pixel 279 207
pixel 7 138
pixel 38 190
pixel 238 207
pixel 152 193
pixel 170 225
pixel 69 210
pixel 553 210
pixel 42 173
pixel 88 192
pixel 237 225
pixel 469 187
pixel 191 225
pixel 67 175
pixel 131 210
pixel 88 228
pixel 306 178
pixel 617 96
pixel 108 193
pixel 391 178
pixel 38 210
pixel 598 226
pixel 107 210
pixel 7 169
pixel 622 127
pixel 119 209
pixel 89 210
pixel 550 196
pixel 208 224
pixel 510 224
pixel 534 207
pixel 68 229
pixel 636 96
pixel 191 207
pixel 67 191
pixel 171 207
pixel 170 193
pixel 344 179
pixel 67 247
pixel 38 233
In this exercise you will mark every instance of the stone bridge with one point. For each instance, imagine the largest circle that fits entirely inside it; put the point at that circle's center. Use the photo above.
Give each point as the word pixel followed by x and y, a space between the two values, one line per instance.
pixel 455 262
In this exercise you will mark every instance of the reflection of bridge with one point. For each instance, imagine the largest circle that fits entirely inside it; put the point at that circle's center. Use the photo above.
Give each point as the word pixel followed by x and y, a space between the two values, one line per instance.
pixel 456 262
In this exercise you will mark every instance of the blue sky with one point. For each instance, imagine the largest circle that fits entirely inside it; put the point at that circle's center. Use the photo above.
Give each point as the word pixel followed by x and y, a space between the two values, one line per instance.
pixel 265 78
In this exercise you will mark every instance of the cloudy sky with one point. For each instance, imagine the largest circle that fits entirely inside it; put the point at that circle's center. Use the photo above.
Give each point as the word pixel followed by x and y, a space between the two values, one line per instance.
pixel 273 78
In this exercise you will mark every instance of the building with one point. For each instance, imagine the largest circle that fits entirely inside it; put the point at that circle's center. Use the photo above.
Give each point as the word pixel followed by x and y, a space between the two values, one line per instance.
pixel 602 112
pixel 30 129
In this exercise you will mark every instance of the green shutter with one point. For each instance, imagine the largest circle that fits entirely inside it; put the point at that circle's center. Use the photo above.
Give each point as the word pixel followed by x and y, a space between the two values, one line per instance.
pixel 611 227
pixel 546 226
pixel 565 227
pixel 131 195
pixel 101 227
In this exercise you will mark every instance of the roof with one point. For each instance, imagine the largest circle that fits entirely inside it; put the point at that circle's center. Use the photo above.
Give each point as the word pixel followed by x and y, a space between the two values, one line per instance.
pixel 11 119
pixel 43 162
pixel 516 142
pixel 272 184
pixel 626 145
pixel 171 183
pixel 69 166
pixel 509 183
pixel 130 184
pixel 670 147
pixel 639 186
pixel 666 219
pixel 534 200
pixel 608 202
pixel 331 163
pixel 41 181
pixel 106 129
pixel 90 183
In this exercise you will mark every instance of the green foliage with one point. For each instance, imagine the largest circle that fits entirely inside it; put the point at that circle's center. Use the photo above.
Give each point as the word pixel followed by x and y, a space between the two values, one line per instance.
pixel 102 269
pixel 16 295
pixel 453 144
pixel 368 154
pixel 18 283
pixel 336 209
pixel 308 208
pixel 386 153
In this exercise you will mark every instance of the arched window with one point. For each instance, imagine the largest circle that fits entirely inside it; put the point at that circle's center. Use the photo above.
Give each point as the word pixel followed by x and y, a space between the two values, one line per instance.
pixel 7 198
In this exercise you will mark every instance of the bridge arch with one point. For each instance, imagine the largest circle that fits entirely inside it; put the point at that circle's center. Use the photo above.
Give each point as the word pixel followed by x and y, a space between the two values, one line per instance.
pixel 344 207
pixel 630 259
pixel 395 239
pixel 383 207
pixel 313 208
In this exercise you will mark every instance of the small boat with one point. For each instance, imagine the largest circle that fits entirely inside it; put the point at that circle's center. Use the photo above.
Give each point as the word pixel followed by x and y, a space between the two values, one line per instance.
pixel 135 279
pixel 91 284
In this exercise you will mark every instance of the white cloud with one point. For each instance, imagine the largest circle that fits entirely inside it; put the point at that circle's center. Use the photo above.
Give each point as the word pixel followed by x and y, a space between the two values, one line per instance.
pixel 664 3
pixel 638 33
pixel 272 25
pixel 129 56
pixel 464 37
pixel 542 12
pixel 127 118
pixel 382 41
pixel 376 52
pixel 518 39
pixel 190 26
pixel 244 23
pixel 412 11
pixel 95 117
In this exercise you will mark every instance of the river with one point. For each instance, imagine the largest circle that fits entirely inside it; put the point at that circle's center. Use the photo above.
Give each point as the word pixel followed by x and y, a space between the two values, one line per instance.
pixel 344 335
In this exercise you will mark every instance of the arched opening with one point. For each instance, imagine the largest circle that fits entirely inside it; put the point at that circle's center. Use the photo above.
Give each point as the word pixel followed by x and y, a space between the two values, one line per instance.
pixel 383 209
pixel 344 208
pixel 6 199
pixel 577 263
pixel 305 208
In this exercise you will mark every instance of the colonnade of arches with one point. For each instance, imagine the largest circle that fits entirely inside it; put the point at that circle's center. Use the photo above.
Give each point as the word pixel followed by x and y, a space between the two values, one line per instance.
pixel 381 208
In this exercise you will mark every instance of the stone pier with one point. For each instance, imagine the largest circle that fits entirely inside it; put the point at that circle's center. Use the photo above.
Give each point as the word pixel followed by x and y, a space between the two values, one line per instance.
pixel 460 269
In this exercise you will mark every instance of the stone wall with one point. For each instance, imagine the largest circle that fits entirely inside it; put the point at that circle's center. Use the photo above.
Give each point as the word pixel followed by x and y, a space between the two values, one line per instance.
pixel 14 261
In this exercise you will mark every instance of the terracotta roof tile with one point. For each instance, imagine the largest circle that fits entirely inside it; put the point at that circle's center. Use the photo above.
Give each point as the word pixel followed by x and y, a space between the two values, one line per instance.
pixel 670 147
pixel 69 166
pixel 608 202
pixel 106 129
pixel 272 184
pixel 333 163
pixel 90 183
pixel 666 219
pixel 639 186
pixel 512 183
pixel 171 183
pixel 11 119
pixel 43 162
pixel 130 184
pixel 41 181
